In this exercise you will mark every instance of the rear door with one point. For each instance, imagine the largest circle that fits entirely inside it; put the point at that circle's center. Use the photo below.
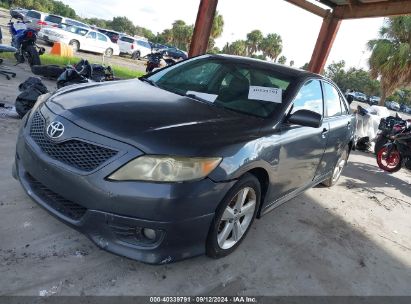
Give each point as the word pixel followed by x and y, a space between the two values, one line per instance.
pixel 302 147
pixel 102 43
pixel 338 116
pixel 90 42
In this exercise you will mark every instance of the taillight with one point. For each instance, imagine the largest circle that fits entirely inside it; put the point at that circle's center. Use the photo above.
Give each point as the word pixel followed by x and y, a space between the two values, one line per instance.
pixel 29 34
pixel 41 22
pixel 132 46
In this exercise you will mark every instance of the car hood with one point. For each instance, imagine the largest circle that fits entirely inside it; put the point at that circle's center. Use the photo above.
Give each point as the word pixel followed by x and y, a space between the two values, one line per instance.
pixel 153 120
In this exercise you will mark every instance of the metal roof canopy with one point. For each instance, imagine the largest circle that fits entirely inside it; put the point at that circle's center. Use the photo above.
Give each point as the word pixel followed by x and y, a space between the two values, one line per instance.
pixel 338 10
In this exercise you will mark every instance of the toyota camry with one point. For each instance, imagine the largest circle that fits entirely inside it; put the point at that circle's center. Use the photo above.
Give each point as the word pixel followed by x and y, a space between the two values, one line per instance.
pixel 181 162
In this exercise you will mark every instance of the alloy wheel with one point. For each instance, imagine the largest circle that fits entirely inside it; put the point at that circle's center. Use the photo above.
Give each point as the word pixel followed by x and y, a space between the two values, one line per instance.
pixel 236 218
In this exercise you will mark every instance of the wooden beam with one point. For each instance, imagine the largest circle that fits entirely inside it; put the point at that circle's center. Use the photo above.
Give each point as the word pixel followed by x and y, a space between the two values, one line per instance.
pixel 325 40
pixel 377 9
pixel 311 7
pixel 202 29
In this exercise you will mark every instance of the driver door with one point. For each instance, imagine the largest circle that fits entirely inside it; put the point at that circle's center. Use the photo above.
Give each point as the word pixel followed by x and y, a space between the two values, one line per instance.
pixel 302 148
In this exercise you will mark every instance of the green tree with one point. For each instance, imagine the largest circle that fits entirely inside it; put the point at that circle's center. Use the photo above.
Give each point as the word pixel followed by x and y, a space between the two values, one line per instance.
pixel 282 60
pixel 272 46
pixel 254 39
pixel 238 47
pixel 218 26
pixel 123 25
pixel 292 63
pixel 390 59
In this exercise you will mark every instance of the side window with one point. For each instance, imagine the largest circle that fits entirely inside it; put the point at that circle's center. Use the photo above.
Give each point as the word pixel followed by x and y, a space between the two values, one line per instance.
pixel 310 97
pixel 101 37
pixel 344 106
pixel 332 100
pixel 92 35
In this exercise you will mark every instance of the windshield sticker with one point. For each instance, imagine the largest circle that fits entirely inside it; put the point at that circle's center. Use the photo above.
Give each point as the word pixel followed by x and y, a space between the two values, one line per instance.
pixel 265 94
pixel 205 96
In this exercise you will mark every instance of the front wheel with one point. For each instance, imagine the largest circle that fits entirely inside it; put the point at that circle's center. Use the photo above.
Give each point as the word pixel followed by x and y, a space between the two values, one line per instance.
pixel 32 55
pixel 389 161
pixel 234 217
pixel 136 55
pixel 338 169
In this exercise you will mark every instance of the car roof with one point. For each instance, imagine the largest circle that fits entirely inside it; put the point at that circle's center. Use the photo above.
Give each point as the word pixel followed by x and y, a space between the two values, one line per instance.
pixel 290 71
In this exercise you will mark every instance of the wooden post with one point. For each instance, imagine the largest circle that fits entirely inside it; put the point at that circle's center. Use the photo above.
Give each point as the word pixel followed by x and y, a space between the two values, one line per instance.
pixel 202 29
pixel 325 40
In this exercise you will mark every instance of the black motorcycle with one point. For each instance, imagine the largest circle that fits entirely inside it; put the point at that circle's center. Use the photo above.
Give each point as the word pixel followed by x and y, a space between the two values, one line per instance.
pixel 24 40
pixel 388 127
pixel 154 60
pixel 397 152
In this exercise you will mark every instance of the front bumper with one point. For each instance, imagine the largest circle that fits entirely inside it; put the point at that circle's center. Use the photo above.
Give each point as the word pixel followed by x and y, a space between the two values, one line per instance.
pixel 112 214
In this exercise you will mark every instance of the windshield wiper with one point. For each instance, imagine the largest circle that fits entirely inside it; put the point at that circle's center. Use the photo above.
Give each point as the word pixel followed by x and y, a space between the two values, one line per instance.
pixel 194 96
pixel 149 81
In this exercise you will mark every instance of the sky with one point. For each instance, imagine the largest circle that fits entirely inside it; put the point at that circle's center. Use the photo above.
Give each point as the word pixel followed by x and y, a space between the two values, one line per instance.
pixel 297 27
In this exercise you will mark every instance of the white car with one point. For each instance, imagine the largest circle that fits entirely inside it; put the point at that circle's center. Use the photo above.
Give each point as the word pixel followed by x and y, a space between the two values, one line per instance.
pixel 80 39
pixel 134 47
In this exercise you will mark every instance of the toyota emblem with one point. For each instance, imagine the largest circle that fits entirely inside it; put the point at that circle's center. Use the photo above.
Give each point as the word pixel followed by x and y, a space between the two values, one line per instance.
pixel 55 129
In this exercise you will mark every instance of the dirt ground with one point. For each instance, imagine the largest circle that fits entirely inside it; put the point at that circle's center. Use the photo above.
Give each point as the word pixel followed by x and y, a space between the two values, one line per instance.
pixel 115 60
pixel 352 239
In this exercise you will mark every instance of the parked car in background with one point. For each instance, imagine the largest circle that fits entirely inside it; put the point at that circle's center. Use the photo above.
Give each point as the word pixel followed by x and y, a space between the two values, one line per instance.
pixel 392 105
pixel 18 12
pixel 134 47
pixel 405 108
pixel 358 96
pixel 373 100
pixel 176 53
pixel 35 20
pixel 59 21
pixel 180 162
pixel 80 38
pixel 113 35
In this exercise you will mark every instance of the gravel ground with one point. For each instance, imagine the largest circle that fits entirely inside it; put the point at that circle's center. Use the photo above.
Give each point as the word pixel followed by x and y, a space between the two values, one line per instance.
pixel 352 239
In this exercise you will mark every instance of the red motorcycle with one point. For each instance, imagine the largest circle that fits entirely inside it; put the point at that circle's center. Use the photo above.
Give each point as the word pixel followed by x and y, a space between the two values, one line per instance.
pixel 397 152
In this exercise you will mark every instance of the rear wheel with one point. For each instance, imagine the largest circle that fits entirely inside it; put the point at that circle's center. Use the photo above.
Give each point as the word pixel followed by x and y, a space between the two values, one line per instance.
pixel 109 52
pixel 75 45
pixel 136 55
pixel 234 217
pixel 32 55
pixel 338 169
pixel 389 161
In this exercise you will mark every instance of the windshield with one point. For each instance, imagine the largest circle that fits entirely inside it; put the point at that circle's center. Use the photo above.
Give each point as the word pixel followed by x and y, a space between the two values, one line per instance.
pixel 234 85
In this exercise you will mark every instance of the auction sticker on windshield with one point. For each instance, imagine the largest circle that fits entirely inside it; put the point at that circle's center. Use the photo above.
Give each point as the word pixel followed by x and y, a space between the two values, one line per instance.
pixel 265 94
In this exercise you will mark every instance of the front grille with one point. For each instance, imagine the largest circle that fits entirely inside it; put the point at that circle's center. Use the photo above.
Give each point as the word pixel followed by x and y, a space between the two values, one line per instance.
pixel 78 154
pixel 56 201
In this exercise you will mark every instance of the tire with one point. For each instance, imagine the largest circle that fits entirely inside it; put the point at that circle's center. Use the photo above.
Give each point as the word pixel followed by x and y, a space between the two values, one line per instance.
pixel 32 55
pixel 337 170
pixel 75 45
pixel 136 55
pixel 225 235
pixel 108 52
pixel 390 166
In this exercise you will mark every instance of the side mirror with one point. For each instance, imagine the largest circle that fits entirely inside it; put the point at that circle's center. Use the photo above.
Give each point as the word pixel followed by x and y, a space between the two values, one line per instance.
pixel 306 118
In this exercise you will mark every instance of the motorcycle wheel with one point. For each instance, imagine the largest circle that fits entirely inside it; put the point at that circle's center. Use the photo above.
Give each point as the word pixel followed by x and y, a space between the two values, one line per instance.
pixel 32 55
pixel 390 162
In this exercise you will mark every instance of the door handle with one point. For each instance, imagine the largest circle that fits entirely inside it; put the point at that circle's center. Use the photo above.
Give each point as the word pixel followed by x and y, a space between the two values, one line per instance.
pixel 324 132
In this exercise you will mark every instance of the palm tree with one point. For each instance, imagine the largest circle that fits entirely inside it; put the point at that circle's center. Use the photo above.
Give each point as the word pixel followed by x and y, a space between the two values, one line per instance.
pixel 391 55
pixel 272 46
pixel 218 26
pixel 254 39
pixel 282 60
pixel 238 47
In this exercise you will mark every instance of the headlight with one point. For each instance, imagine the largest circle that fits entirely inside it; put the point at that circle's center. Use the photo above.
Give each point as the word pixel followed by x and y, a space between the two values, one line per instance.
pixel 166 169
